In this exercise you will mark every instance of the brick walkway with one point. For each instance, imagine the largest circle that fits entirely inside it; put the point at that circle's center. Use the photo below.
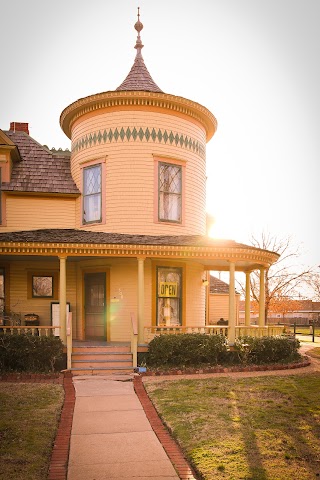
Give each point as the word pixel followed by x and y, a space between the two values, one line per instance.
pixel 171 448
pixel 60 454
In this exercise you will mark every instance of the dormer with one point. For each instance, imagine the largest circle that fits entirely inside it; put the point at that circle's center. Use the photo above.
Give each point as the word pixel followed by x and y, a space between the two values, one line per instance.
pixel 9 153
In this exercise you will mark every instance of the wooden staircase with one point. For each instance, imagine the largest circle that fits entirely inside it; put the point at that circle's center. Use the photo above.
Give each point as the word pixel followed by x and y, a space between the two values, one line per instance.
pixel 101 358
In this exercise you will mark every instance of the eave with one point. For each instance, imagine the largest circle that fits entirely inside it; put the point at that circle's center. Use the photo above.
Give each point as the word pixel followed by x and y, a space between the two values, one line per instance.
pixel 167 103
pixel 211 257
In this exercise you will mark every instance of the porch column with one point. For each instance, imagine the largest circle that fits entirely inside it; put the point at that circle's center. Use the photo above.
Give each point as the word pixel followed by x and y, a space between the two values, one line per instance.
pixel 141 299
pixel 63 299
pixel 247 300
pixel 262 298
pixel 232 305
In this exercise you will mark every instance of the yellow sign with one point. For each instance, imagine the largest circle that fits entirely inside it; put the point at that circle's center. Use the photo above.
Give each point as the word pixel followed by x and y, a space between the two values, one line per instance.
pixel 168 289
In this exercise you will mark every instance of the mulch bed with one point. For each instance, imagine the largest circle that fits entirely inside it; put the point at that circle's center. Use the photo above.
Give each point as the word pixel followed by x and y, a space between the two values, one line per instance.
pixel 305 362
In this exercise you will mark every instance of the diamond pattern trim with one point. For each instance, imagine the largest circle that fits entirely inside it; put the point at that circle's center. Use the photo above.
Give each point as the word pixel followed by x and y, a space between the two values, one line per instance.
pixel 132 134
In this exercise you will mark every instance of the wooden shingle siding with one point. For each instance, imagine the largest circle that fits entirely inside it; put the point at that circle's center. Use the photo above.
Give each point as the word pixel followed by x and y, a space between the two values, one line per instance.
pixel 195 310
pixel 20 301
pixel 130 182
pixel 219 307
pixel 33 212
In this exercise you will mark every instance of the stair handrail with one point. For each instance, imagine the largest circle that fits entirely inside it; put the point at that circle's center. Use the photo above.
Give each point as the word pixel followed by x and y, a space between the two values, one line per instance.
pixel 134 340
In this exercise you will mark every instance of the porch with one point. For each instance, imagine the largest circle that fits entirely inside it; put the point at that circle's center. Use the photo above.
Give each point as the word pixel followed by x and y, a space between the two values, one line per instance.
pixel 106 357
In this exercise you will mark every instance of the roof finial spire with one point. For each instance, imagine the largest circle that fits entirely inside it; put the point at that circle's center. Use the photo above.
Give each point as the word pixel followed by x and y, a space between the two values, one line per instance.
pixel 138 26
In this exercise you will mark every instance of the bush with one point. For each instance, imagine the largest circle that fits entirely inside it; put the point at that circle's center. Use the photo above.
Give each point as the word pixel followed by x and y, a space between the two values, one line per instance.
pixel 266 350
pixel 186 350
pixel 27 353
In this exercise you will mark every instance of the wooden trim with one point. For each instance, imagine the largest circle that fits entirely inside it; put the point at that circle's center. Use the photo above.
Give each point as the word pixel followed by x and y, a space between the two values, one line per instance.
pixel 256 258
pixel 92 163
pixel 167 159
pixel 135 100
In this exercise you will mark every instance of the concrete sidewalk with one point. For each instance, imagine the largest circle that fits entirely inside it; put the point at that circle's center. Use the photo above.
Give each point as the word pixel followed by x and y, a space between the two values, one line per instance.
pixel 111 437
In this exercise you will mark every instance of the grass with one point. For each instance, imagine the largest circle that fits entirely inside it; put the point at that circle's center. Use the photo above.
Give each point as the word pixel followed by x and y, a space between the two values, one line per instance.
pixel 29 415
pixel 304 330
pixel 262 428
pixel 314 352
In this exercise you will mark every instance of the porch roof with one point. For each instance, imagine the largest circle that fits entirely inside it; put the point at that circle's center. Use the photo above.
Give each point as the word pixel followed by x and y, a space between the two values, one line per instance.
pixel 212 253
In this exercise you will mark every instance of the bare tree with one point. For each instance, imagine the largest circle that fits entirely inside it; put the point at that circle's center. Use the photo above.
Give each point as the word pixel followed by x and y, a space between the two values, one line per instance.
pixel 284 278
pixel 313 283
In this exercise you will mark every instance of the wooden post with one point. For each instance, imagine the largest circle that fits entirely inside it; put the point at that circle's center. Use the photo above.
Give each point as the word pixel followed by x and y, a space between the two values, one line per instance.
pixel 63 299
pixel 232 305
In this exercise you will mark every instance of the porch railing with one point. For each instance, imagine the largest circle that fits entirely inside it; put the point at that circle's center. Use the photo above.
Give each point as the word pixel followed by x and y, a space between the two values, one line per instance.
pixel 41 331
pixel 151 332
pixel 241 330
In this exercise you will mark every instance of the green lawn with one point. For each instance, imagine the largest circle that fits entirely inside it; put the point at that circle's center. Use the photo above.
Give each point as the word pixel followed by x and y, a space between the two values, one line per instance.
pixel 262 428
pixel 305 330
pixel 29 415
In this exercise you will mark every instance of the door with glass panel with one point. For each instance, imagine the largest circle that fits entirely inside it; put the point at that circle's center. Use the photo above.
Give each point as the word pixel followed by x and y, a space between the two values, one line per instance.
pixel 169 288
pixel 95 306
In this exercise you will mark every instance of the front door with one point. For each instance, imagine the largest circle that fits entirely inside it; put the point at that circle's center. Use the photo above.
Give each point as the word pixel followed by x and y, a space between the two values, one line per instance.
pixel 95 306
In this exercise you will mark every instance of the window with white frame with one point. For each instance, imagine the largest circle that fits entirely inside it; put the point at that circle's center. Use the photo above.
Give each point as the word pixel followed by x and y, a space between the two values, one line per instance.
pixel 170 192
pixel 92 194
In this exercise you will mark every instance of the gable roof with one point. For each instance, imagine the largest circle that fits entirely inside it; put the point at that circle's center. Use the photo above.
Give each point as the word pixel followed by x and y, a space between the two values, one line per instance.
pixel 218 286
pixel 7 144
pixel 38 169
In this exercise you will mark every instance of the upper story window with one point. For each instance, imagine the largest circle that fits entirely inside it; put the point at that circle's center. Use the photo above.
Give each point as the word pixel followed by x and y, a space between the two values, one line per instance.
pixel 92 194
pixel 170 192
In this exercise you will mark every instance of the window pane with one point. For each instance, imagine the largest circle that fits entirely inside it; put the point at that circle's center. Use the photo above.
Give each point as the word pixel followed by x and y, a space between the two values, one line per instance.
pixel 92 208
pixel 170 186
pixel 92 180
pixel 170 207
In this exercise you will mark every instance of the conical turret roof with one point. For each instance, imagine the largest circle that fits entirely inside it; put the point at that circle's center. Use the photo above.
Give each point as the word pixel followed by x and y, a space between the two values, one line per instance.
pixel 139 77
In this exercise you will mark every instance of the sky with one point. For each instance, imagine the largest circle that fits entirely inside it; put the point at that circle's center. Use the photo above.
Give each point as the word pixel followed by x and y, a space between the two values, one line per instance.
pixel 253 63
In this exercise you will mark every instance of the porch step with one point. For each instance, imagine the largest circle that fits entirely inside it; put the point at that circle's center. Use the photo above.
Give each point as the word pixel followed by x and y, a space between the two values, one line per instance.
pixel 102 371
pixel 89 363
pixel 104 356
pixel 101 359
pixel 101 348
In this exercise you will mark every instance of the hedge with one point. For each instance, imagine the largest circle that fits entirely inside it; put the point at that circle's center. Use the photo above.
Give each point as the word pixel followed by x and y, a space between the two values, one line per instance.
pixel 187 350
pixel 267 349
pixel 28 353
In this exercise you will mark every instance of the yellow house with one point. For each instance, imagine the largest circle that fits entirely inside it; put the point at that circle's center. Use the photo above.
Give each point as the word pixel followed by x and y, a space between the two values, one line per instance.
pixel 116 231
pixel 218 304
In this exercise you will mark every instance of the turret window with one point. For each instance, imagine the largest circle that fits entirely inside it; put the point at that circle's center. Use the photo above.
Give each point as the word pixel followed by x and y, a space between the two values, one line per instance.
pixel 92 193
pixel 170 192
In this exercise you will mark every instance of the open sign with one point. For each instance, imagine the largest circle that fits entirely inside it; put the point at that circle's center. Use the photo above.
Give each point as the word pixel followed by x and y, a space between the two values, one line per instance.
pixel 168 289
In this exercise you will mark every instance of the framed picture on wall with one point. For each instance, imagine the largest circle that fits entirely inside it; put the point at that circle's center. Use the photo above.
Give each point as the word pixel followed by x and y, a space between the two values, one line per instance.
pixel 42 286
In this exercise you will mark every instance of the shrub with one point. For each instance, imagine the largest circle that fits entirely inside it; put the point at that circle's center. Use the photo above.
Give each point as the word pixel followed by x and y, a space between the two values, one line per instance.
pixel 27 353
pixel 186 350
pixel 266 349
